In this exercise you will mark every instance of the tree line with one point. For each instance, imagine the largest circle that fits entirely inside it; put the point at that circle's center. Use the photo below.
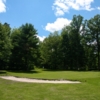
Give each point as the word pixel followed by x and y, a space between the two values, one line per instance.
pixel 76 47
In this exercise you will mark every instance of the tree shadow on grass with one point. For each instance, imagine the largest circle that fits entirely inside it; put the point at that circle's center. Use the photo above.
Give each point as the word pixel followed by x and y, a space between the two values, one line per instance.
pixel 27 72
pixel 2 72
pixel 67 70
pixel 53 70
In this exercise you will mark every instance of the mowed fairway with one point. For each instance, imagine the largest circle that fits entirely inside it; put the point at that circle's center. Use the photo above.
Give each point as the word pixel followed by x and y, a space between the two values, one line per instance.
pixel 89 89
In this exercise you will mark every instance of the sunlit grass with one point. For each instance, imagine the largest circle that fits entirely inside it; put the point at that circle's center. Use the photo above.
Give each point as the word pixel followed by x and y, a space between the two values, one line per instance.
pixel 70 75
pixel 89 89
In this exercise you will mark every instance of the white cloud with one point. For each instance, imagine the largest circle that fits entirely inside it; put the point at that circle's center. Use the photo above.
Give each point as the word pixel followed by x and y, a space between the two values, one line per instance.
pixel 41 38
pixel 62 6
pixel 98 8
pixel 2 6
pixel 57 25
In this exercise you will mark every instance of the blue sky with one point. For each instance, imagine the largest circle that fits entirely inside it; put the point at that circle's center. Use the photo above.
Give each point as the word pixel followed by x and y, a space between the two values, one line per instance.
pixel 46 15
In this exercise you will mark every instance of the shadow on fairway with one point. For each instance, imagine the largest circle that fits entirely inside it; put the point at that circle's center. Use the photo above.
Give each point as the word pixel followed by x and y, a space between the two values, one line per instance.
pixel 27 72
pixel 2 72
pixel 71 70
pixel 53 70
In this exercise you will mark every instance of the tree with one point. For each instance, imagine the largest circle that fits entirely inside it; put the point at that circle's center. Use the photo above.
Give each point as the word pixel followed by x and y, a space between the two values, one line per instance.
pixel 77 54
pixel 50 51
pixel 16 57
pixel 65 48
pixel 94 32
pixel 5 45
pixel 65 51
pixel 25 47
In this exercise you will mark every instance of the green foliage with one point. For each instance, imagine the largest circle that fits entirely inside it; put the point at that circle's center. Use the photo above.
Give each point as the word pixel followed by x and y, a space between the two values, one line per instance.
pixel 5 45
pixel 77 47
pixel 77 61
pixel 65 51
pixel 94 32
pixel 25 48
pixel 49 49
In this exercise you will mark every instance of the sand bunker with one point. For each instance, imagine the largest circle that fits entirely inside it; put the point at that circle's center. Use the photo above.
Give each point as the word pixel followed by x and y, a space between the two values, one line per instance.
pixel 37 80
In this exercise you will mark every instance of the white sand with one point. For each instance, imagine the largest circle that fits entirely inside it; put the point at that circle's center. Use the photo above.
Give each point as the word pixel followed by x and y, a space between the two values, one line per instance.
pixel 36 80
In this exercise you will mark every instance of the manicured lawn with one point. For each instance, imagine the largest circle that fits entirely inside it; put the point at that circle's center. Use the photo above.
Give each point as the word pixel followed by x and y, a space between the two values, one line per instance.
pixel 89 89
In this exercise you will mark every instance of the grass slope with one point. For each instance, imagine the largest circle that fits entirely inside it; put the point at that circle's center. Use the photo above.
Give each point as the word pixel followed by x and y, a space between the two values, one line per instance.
pixel 89 89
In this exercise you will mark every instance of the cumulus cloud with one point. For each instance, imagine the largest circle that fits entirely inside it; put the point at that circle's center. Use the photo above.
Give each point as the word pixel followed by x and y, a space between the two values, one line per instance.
pixel 57 25
pixel 62 6
pixel 2 6
pixel 41 38
pixel 98 8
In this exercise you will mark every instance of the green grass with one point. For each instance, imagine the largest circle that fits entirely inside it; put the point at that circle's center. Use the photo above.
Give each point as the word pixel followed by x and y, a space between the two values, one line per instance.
pixel 89 89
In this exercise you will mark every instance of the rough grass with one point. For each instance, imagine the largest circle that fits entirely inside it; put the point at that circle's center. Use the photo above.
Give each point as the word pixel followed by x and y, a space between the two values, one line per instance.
pixel 89 89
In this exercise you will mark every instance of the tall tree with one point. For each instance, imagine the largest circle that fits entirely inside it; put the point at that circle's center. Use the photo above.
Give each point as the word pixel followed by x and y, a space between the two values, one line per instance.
pixel 5 45
pixel 76 49
pixel 65 48
pixel 16 57
pixel 50 51
pixel 25 50
pixel 94 32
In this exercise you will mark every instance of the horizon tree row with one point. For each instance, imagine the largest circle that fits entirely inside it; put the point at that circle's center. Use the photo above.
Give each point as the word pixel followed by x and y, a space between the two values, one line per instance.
pixel 77 47
pixel 18 47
